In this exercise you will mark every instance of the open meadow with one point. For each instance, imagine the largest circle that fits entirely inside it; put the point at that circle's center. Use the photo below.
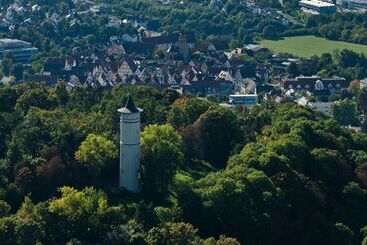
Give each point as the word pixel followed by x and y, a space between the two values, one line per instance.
pixel 307 46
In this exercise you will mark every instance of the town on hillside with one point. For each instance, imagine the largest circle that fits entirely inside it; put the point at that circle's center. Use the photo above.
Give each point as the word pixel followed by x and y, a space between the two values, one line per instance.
pixel 138 54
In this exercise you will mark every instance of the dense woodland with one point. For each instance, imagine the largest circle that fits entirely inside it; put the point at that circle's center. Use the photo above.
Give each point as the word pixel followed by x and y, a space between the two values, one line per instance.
pixel 347 27
pixel 275 174
pixel 345 63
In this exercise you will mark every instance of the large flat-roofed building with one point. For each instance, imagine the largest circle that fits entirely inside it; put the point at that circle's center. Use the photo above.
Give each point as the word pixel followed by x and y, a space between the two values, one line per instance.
pixel 20 50
pixel 243 99
pixel 318 6
pixel 353 4
pixel 315 84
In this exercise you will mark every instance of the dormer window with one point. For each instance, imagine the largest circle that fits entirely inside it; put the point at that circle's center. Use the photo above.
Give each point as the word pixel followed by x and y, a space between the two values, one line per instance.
pixel 319 85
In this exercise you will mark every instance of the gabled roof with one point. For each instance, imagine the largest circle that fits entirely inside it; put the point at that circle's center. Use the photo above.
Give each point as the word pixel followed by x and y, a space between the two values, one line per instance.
pixel 311 81
pixel 170 38
pixel 49 79
pixel 219 45
pixel 138 47
pixel 254 48
pixel 208 83
pixel 130 62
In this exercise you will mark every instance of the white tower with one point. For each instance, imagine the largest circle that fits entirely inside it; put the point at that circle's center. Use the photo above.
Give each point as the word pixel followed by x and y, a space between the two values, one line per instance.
pixel 130 146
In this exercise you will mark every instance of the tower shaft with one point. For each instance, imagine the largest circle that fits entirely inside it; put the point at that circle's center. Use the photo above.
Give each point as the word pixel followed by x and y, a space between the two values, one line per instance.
pixel 130 146
pixel 130 151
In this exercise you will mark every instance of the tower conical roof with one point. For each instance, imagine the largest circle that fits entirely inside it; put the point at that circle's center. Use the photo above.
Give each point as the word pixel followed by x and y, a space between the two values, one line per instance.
pixel 130 106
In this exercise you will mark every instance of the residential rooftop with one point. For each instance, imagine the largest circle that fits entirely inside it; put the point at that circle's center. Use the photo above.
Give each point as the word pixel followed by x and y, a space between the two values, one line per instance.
pixel 317 3
pixel 6 43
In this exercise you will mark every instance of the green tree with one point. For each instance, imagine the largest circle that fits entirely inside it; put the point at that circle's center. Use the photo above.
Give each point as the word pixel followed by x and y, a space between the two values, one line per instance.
pixel 354 87
pixel 186 111
pixel 144 214
pixel 345 112
pixel 174 234
pixel 15 230
pixel 161 157
pixel 363 232
pixel 34 97
pixel 8 98
pixel 219 131
pixel 327 164
pixel 271 32
pixel 344 234
pixel 31 135
pixel 235 201
pixel 130 233
pixel 4 208
pixel 223 240
pixel 61 94
pixel 24 227
pixel 7 66
pixel 363 103
pixel 96 152
pixel 83 214
pixel 234 44
pixel 18 71
pixel 292 69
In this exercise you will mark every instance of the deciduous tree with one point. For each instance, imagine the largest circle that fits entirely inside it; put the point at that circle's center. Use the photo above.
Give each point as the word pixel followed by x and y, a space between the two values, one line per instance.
pixel 161 157
pixel 96 152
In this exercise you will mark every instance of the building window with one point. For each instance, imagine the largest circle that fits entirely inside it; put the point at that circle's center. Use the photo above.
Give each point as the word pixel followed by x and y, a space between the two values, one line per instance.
pixel 319 85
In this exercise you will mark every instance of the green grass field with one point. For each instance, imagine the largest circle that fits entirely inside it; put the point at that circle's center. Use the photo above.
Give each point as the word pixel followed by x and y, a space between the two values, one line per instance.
pixel 306 46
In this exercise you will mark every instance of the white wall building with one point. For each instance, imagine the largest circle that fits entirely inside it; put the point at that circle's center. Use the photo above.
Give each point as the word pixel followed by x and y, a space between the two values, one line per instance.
pixel 243 99
pixel 20 50
pixel 130 146
pixel 319 6
pixel 324 107
pixel 363 84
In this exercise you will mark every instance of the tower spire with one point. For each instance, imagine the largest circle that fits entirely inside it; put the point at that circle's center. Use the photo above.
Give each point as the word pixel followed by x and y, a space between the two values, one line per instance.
pixel 130 105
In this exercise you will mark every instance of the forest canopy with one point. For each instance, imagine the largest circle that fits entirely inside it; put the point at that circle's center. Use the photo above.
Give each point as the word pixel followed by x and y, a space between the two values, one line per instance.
pixel 277 173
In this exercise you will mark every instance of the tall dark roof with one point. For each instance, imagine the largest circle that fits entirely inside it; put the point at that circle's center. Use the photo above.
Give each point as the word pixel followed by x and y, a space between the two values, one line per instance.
pixel 138 47
pixel 220 45
pixel 170 38
pixel 130 106
pixel 130 63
